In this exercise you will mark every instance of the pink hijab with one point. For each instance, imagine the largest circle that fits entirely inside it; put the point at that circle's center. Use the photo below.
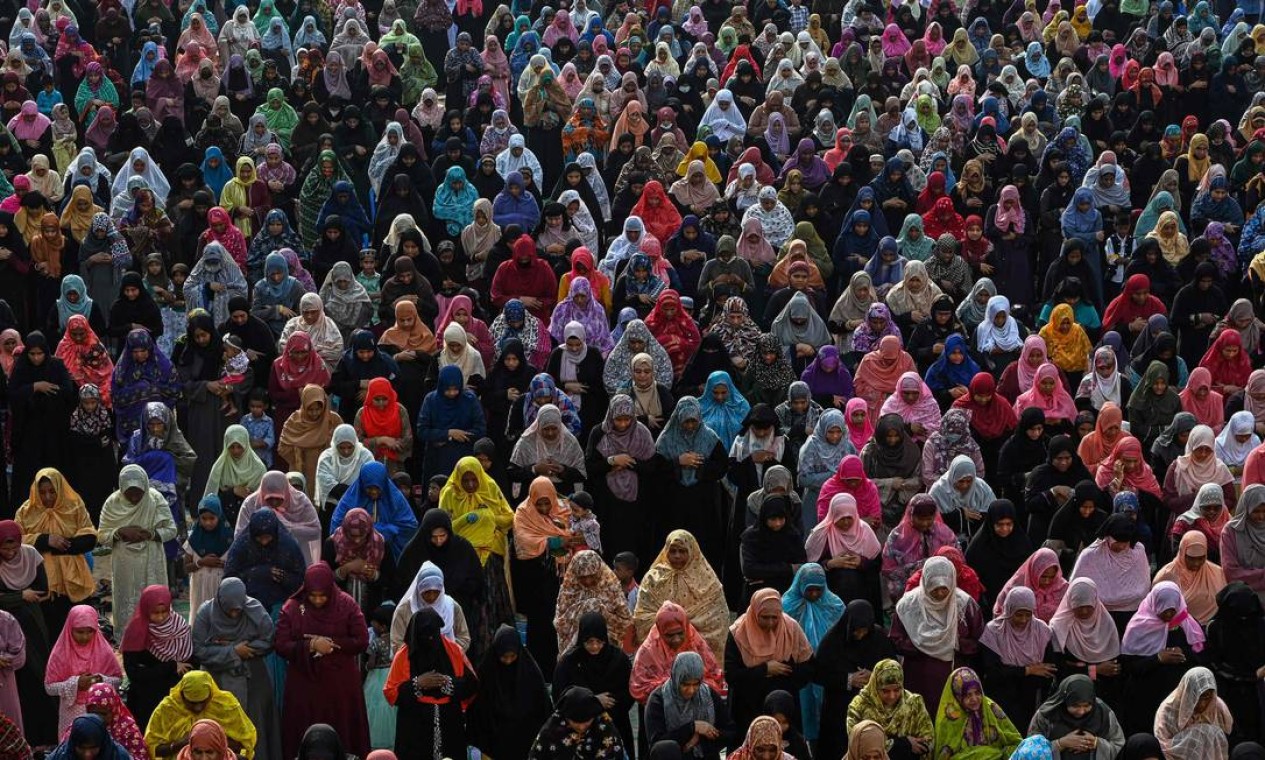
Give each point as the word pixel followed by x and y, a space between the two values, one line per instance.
pixel 826 536
pixel 1093 640
pixel 1147 633
pixel 1026 374
pixel 1028 576
pixel 925 411
pixel 70 660
pixel 1017 647
pixel 895 43
pixel 905 540
pixel 1058 405
pixel 858 434
pixel 1123 579
pixel 864 496
pixel 29 124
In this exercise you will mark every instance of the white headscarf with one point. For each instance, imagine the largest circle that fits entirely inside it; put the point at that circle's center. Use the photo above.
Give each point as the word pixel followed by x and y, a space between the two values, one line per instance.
pixel 332 469
pixel 430 578
pixel 724 122
pixel 507 162
pixel 933 625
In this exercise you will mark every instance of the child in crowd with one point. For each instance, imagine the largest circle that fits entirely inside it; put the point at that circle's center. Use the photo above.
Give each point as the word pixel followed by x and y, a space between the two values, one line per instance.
pixel 65 135
pixel 48 98
pixel 210 536
pixel 404 482
pixel 169 296
pixel 433 488
pixel 377 665
pixel 371 280
pixel 234 373
pixel 626 565
pixel 584 522
pixel 257 422
pixel 1118 252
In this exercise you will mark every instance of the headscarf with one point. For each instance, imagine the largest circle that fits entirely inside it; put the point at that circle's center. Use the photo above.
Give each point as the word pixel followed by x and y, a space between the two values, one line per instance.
pixel 69 659
pixel 694 587
pixel 1248 537
pixel 1147 633
pixel 89 361
pixel 827 536
pixel 1189 474
pixel 655 661
pixel 169 641
pixel 1123 577
pixel 634 441
pixel 1058 404
pixel 1184 733
pixel 907 716
pixel 1092 640
pixel 786 643
pixel 989 336
pixel 923 411
pixel 575 599
pixel 1199 588
pixel 932 625
pixel 1046 598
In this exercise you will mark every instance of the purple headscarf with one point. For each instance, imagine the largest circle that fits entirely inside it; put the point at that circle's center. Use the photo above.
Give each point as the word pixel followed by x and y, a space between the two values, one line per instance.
pixel 827 376
pixel 591 315
pixel 816 172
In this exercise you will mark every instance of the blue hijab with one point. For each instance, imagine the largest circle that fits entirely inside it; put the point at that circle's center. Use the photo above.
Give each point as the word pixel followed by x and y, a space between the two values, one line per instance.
pixel 675 441
pixel 1081 223
pixel 724 419
pixel 1040 67
pixel 272 293
pixel 446 413
pixel 944 374
pixel 145 67
pixel 878 222
pixel 356 222
pixel 393 518
pixel 815 617
pixel 216 541
pixel 882 273
pixel 215 179
pixel 853 242
pixel 455 205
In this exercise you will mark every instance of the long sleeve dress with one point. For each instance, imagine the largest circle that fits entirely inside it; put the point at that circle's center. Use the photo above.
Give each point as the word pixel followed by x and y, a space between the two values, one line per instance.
pixel 323 688
pixel 135 564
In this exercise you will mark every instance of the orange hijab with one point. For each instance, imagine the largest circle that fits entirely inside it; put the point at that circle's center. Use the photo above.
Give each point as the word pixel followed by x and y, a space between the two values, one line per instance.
pixel 533 530
pixel 785 643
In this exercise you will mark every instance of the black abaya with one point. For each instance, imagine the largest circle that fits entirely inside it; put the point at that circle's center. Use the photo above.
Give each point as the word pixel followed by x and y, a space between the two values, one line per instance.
pixel 606 672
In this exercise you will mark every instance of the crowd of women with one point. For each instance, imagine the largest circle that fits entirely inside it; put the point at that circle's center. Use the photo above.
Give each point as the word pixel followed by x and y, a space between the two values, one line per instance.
pixel 617 379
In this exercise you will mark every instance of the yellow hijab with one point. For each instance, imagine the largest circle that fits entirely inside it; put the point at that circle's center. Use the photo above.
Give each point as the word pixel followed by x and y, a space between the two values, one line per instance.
pixel 172 720
pixel 698 152
pixel 487 534
pixel 68 574
pixel 1066 349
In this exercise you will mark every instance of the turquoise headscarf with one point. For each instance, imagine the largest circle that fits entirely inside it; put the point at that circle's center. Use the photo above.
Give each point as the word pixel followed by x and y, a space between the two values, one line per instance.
pixel 816 618
pixel 455 205
pixel 724 419
pixel 73 283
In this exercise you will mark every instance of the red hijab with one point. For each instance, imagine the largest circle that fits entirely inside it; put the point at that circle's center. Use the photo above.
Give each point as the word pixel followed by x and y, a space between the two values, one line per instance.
pixel 1123 310
pixel 990 420
pixel 934 191
pixel 662 220
pixel 677 334
pixel 382 422
pixel 942 219
pixel 1225 371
